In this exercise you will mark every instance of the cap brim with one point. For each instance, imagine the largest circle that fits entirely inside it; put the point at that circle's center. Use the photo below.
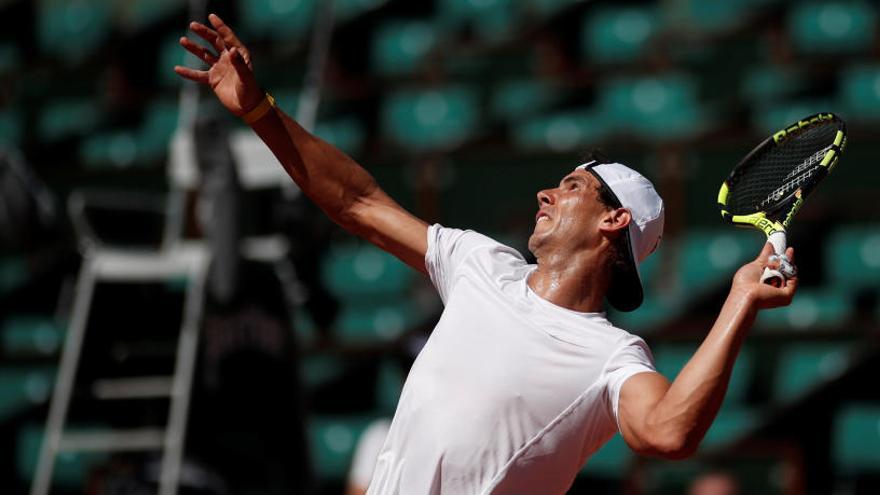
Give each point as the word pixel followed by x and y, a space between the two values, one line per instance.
pixel 626 293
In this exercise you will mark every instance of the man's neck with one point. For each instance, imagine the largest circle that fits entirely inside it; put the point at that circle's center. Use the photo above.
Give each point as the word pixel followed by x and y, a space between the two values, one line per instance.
pixel 577 282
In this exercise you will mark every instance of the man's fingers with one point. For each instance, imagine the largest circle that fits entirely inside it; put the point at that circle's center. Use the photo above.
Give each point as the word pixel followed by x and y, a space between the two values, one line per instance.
pixel 790 254
pixel 766 251
pixel 199 76
pixel 228 36
pixel 208 35
pixel 202 53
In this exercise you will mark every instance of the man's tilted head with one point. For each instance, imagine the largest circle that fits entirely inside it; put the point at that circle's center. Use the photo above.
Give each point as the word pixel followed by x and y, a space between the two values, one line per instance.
pixel 597 206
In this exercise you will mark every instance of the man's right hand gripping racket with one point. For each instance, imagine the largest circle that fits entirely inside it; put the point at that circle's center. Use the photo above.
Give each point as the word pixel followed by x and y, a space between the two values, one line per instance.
pixel 766 189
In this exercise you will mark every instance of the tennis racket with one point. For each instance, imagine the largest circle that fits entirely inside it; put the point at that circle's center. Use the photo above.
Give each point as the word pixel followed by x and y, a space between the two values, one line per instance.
pixel 768 187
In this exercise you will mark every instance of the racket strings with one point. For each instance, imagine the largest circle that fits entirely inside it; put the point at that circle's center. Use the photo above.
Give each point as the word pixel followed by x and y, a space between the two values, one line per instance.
pixel 776 173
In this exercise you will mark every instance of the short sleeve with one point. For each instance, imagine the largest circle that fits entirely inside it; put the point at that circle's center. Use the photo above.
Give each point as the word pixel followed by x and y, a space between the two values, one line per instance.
pixel 447 250
pixel 631 358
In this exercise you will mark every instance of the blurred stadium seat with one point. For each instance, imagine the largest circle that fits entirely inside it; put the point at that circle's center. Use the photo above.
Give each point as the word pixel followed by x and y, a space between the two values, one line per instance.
pixel 853 258
pixel 355 271
pixel 709 257
pixel 489 19
pixel 671 358
pixel 138 15
pixel 71 468
pixel 765 84
pixel 860 93
pixel 514 99
pixel 276 20
pixel 346 10
pixel 60 22
pixel 832 27
pixel 564 131
pixel 13 273
pixel 431 119
pixel 30 335
pixel 618 35
pixel 773 117
pixel 660 107
pixel 812 309
pixel 68 117
pixel 803 366
pixel 25 386
pixel 11 126
pixel 333 439
pixel 611 461
pixel 856 437
pixel 401 47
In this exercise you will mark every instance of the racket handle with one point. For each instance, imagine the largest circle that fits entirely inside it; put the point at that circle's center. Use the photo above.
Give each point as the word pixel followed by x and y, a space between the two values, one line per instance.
pixel 786 270
pixel 773 277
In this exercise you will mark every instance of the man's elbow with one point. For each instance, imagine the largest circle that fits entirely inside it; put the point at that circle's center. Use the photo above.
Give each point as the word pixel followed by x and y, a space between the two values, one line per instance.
pixel 673 445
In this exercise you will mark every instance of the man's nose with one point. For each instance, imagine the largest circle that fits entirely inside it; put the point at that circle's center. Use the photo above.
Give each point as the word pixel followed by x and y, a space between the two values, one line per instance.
pixel 545 197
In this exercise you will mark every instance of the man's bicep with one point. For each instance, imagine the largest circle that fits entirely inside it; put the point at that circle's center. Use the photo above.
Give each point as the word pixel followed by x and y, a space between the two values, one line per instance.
pixel 380 220
pixel 638 397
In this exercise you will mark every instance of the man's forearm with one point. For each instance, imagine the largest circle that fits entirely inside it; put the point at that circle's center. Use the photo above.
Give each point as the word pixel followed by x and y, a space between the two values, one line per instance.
pixel 325 174
pixel 690 404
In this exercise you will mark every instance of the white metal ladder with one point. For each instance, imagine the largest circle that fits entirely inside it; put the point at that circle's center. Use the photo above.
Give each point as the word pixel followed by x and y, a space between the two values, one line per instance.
pixel 188 260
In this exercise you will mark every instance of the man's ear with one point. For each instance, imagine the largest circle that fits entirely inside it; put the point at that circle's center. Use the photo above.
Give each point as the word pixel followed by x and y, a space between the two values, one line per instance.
pixel 616 219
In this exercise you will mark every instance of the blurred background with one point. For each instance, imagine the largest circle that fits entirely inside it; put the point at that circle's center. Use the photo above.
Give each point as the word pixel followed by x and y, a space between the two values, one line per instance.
pixel 197 320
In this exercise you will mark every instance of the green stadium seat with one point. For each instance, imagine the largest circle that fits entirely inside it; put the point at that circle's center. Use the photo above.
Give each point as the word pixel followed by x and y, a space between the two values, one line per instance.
pixel 347 134
pixel 709 258
pixel 810 309
pixel 489 19
pixel 856 437
pixel 832 27
pixel 31 335
pixel 11 126
pixel 521 98
pixel 765 84
pixel 71 30
pixel 13 273
pixel 10 58
pixel 71 468
pixel 114 149
pixel 803 366
pixel 159 124
pixel 671 358
pixel 860 93
pixel 707 17
pixel 401 47
pixel 333 440
pixel 562 131
pixel 546 8
pixel 277 20
pixel 731 424
pixel 171 54
pixel 65 118
pixel 139 15
pixel 23 387
pixel 346 10
pixel 355 271
pixel 377 321
pixel 772 118
pixel 431 119
pixel 618 35
pixel 663 107
pixel 612 461
pixel 318 369
pixel 388 386
pixel 853 258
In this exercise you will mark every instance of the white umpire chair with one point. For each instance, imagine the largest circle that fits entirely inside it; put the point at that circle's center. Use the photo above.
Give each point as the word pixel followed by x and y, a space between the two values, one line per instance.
pixel 176 257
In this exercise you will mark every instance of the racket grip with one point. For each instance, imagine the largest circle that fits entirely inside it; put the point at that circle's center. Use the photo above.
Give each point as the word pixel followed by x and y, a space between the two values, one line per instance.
pixel 773 277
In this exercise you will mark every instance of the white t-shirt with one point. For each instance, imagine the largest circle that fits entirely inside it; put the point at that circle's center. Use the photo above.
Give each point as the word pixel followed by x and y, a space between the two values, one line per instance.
pixel 511 394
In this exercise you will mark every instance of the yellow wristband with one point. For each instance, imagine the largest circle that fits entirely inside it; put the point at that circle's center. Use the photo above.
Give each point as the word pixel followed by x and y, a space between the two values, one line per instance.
pixel 260 110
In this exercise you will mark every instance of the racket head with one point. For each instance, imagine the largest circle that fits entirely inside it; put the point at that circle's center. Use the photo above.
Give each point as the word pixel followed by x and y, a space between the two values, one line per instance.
pixel 767 188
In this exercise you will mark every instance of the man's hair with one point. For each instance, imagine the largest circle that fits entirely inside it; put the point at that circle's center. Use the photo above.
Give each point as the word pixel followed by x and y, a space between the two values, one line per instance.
pixel 607 199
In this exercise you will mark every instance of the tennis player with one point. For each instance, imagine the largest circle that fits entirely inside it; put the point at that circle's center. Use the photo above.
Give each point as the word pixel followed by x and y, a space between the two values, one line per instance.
pixel 523 377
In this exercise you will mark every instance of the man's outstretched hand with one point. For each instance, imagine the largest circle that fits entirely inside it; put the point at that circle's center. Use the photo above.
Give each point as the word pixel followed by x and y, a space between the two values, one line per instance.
pixel 230 71
pixel 747 281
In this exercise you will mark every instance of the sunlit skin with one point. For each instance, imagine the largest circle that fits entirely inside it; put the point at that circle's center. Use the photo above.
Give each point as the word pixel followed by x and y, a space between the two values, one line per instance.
pixel 572 243
pixel 572 246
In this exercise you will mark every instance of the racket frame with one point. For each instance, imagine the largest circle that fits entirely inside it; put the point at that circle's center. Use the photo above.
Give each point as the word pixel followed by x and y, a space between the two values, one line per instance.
pixel 775 220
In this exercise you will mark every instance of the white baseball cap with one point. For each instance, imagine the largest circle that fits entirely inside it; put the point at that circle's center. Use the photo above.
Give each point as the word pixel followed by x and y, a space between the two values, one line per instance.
pixel 635 193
